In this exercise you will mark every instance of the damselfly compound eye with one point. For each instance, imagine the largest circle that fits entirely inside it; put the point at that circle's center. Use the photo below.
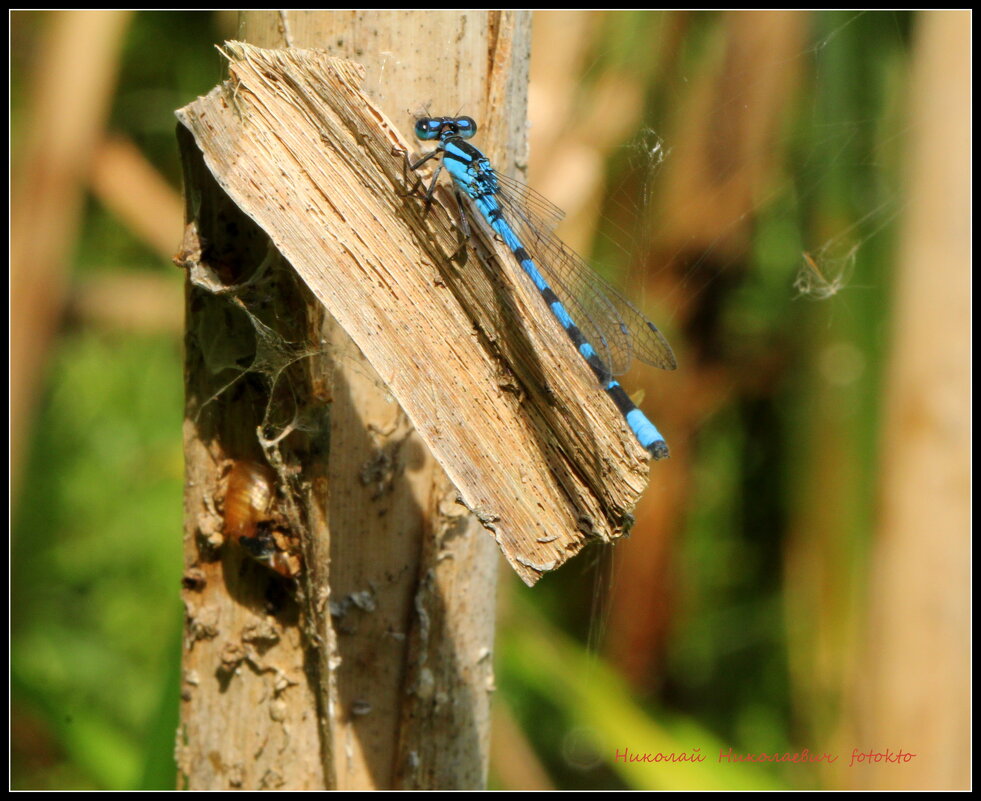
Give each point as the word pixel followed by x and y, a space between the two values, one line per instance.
pixel 465 127
pixel 427 128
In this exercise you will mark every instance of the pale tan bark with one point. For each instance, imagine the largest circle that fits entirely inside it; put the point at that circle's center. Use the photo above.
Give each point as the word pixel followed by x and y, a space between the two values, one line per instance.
pixel 393 690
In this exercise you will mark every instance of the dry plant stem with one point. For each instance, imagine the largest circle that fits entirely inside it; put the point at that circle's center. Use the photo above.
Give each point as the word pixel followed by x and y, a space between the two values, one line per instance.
pixel 48 190
pixel 254 687
pixel 915 678
pixel 500 398
pixel 307 169
pixel 477 60
pixel 396 692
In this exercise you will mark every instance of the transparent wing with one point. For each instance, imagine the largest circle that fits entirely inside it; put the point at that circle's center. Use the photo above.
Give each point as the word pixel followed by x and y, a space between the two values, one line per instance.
pixel 615 328
pixel 545 213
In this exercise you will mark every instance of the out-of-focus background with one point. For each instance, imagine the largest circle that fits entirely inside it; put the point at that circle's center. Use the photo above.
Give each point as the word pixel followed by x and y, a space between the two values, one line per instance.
pixel 786 193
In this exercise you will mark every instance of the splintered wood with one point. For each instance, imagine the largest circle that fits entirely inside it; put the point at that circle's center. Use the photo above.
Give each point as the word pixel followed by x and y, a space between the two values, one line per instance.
pixel 488 378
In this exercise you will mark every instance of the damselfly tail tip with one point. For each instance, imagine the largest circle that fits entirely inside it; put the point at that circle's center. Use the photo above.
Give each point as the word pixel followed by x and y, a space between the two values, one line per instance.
pixel 659 450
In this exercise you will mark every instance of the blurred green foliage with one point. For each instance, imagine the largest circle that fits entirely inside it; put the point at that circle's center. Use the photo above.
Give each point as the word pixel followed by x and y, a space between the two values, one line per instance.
pixel 96 545
pixel 738 630
pixel 96 530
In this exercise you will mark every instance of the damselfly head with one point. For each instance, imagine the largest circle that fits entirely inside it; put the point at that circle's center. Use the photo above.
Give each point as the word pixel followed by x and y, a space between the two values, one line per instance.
pixel 430 128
